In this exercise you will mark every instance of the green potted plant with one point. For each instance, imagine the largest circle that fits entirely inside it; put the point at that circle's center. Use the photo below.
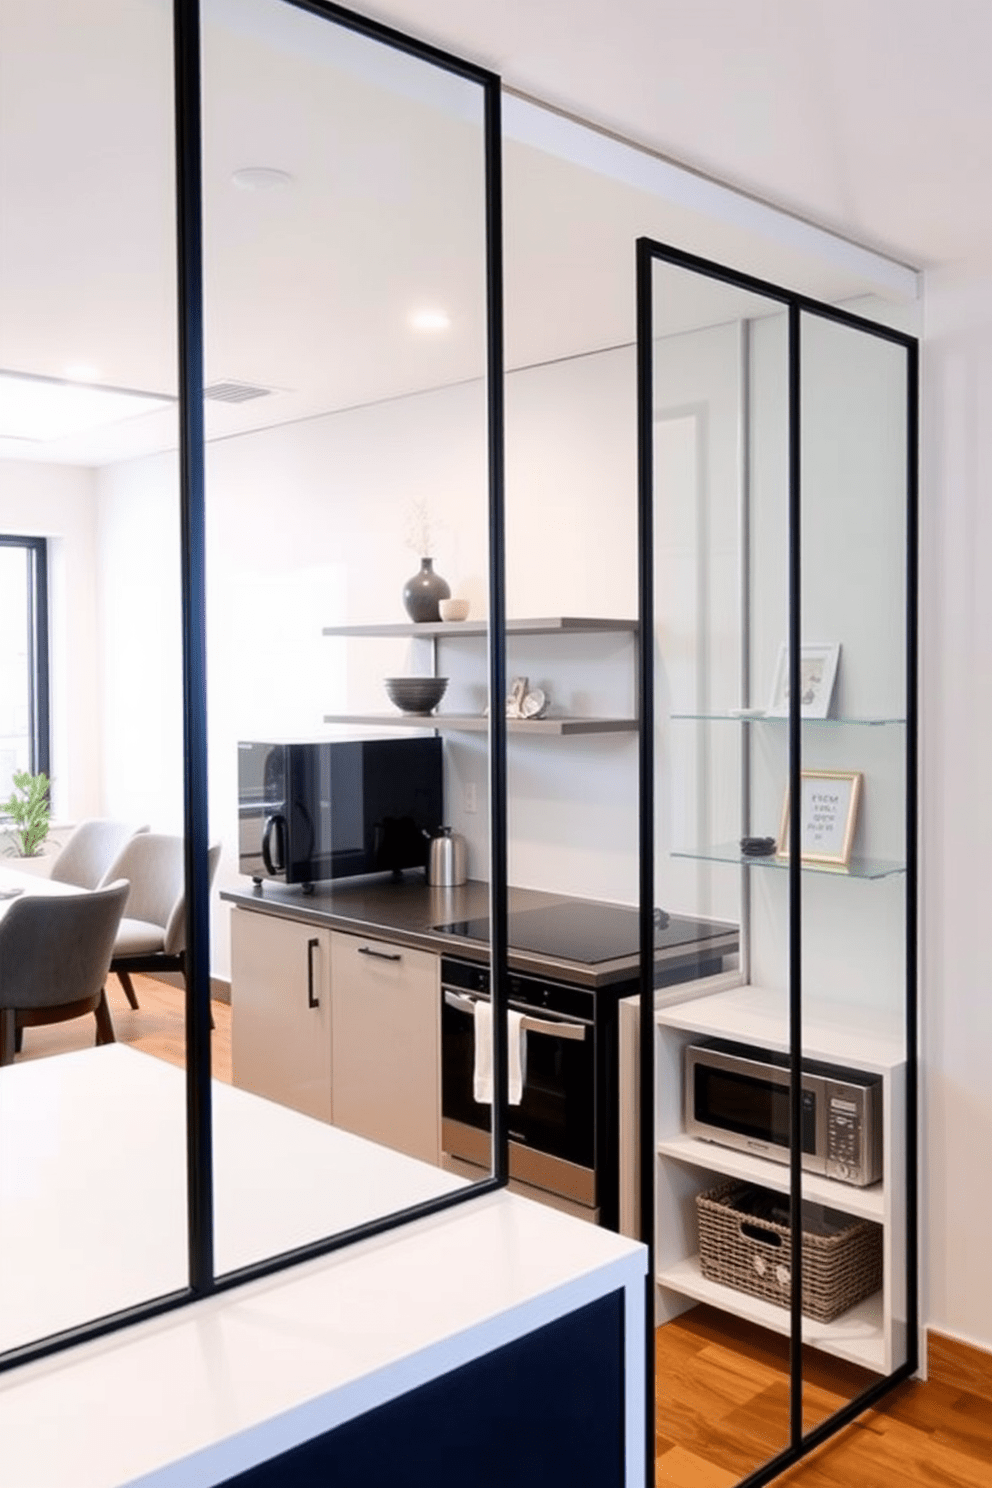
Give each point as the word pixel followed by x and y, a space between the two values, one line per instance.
pixel 29 813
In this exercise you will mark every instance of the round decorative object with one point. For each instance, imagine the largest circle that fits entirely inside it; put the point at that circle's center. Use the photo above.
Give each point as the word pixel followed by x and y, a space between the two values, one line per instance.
pixel 416 694
pixel 423 592
pixel 453 609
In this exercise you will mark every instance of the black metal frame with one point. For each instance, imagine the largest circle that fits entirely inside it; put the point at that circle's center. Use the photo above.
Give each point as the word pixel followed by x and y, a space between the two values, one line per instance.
pixel 39 706
pixel 796 305
pixel 203 1280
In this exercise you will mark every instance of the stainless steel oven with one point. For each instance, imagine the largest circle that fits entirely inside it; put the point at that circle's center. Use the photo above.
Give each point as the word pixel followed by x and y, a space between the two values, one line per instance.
pixel 563 1131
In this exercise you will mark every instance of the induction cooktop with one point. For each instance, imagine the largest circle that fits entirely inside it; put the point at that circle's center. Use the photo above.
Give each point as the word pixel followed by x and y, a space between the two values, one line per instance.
pixel 587 932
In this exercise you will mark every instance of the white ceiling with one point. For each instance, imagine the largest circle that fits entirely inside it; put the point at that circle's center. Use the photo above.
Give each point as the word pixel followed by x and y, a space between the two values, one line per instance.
pixel 871 117
pixel 308 287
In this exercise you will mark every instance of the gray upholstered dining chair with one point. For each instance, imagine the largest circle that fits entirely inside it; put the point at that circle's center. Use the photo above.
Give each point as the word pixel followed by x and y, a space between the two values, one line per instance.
pixel 55 952
pixel 90 850
pixel 152 934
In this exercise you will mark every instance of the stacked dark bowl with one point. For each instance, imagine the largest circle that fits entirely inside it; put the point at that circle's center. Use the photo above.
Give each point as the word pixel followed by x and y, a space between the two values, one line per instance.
pixel 415 694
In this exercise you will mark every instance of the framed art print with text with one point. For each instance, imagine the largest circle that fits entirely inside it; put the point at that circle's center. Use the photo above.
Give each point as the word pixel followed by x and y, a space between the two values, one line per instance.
pixel 829 813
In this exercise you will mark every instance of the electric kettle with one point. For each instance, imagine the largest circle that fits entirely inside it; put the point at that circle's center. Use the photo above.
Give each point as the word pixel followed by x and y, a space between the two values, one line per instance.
pixel 446 859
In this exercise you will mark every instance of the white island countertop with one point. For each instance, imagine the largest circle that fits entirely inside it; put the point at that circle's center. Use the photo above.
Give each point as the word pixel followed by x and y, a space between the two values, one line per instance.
pixel 92 1215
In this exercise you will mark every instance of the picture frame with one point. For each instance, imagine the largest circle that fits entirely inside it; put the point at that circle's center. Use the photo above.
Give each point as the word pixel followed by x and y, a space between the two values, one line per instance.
pixel 829 815
pixel 818 671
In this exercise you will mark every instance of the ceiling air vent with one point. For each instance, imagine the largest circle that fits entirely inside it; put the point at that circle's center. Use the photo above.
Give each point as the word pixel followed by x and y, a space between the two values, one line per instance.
pixel 234 392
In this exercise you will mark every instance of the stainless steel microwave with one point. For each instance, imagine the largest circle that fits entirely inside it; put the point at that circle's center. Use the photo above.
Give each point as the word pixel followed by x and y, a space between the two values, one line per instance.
pixel 738 1096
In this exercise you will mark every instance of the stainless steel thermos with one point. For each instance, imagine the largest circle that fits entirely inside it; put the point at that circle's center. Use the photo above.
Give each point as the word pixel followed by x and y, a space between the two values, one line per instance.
pixel 446 859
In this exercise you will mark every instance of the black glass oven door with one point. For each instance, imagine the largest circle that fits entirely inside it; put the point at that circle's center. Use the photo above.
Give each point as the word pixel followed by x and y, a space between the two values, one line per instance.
pixel 556 1114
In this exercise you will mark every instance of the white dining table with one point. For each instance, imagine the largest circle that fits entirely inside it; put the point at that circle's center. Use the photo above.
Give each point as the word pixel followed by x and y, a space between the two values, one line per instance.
pixel 14 885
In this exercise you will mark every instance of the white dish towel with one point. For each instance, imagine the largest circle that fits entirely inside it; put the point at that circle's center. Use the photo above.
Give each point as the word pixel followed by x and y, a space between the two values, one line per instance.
pixel 482 1081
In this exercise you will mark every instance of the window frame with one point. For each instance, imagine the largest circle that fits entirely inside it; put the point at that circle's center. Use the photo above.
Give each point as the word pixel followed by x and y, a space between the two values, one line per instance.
pixel 39 660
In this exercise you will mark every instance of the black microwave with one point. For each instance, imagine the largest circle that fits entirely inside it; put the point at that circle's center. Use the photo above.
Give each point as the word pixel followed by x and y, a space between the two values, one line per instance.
pixel 337 808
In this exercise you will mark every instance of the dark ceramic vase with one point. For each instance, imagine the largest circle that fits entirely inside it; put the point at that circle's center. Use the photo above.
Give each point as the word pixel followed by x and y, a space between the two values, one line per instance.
pixel 422 593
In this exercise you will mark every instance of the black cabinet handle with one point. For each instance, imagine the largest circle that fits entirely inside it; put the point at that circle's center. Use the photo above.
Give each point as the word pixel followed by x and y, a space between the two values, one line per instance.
pixel 312 1000
pixel 380 955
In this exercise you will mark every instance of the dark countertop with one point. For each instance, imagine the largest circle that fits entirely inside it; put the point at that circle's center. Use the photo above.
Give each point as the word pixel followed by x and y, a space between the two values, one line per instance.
pixel 403 913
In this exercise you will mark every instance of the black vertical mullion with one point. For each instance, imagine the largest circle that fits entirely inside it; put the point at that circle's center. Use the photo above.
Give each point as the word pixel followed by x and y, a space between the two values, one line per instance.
pixel 795 876
pixel 498 890
pixel 646 810
pixel 912 851
pixel 199 1137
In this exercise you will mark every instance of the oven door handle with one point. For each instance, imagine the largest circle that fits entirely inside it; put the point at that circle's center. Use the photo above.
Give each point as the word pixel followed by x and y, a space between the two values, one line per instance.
pixel 573 1031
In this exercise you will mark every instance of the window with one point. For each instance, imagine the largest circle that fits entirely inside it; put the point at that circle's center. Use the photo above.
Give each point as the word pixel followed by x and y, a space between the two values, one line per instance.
pixel 24 741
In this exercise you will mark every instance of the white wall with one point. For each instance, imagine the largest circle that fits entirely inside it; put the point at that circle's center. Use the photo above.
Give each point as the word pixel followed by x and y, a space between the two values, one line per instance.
pixel 956 599
pixel 306 528
pixel 59 503
pixel 141 644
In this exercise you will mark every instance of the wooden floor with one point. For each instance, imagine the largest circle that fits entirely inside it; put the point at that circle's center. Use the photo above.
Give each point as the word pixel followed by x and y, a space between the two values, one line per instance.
pixel 722 1404
pixel 158 1027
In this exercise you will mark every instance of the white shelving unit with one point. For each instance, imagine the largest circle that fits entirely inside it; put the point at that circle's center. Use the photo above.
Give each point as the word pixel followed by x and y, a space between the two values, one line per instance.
pixel 858 1336
pixel 872 1333
pixel 442 632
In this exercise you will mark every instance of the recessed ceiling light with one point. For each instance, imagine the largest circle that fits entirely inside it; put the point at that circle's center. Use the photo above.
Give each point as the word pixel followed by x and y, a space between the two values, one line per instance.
pixel 430 320
pixel 260 178
pixel 42 408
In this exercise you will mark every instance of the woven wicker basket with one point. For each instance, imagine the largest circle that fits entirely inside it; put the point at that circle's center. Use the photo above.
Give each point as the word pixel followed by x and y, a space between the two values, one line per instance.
pixel 744 1243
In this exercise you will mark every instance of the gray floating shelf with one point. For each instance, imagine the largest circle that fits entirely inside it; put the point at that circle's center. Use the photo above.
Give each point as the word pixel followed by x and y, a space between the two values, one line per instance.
pixel 562 625
pixel 474 723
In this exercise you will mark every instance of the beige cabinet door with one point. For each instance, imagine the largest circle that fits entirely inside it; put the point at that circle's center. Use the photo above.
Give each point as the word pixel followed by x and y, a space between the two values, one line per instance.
pixel 386 1044
pixel 281 1011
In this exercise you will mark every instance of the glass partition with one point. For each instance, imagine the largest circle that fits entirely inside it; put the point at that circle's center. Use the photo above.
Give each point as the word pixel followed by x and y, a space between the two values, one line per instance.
pixel 855 715
pixel 719 361
pixel 350 243
pixel 347 496
pixel 92 1135
pixel 777 508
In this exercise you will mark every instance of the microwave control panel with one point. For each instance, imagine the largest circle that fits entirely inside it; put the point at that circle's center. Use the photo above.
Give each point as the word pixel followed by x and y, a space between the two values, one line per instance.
pixel 843 1138
pixel 853 1130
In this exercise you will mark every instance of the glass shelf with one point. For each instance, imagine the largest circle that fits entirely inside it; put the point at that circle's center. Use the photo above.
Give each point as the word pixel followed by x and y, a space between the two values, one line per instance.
pixel 744 716
pixel 729 852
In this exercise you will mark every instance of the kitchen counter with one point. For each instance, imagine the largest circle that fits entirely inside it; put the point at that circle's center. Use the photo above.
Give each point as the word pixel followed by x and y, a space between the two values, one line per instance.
pixel 404 912
pixel 323 1353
